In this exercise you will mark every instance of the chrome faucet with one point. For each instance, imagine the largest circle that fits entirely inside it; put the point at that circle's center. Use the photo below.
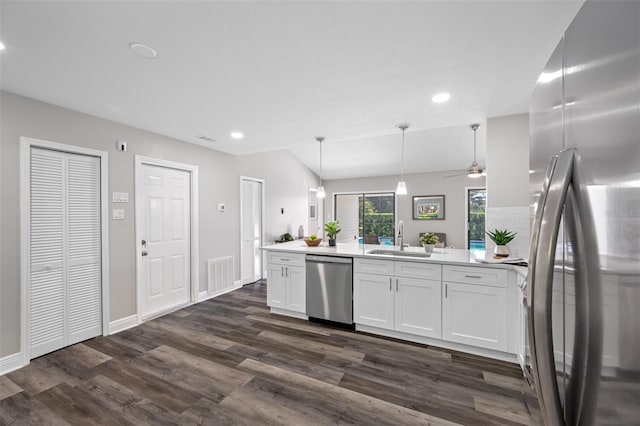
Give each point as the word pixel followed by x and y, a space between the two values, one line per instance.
pixel 401 234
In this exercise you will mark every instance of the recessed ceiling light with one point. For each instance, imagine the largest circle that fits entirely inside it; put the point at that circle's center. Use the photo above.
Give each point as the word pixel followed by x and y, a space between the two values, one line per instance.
pixel 237 135
pixel 143 50
pixel 1 46
pixel 441 97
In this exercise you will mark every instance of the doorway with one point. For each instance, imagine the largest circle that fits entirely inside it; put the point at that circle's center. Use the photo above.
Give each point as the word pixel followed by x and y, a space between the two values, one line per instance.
pixel 164 230
pixel 251 228
pixel 64 236
pixel 476 201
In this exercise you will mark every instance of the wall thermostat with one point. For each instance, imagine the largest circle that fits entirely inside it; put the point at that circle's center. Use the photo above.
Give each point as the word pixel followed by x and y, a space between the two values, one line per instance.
pixel 222 207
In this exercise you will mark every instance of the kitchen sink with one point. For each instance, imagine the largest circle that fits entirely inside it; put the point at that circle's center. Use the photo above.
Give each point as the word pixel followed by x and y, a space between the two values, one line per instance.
pixel 398 253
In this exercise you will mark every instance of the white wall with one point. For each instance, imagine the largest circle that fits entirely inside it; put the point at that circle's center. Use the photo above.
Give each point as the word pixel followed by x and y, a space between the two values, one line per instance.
pixel 508 180
pixel 287 182
pixel 417 184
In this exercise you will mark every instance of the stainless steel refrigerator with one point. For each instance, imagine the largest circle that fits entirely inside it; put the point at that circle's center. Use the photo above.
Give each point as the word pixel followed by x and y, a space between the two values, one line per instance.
pixel 583 299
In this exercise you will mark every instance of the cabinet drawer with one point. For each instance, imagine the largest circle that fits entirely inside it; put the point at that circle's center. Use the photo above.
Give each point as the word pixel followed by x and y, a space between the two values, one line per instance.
pixel 286 258
pixel 428 271
pixel 368 266
pixel 475 275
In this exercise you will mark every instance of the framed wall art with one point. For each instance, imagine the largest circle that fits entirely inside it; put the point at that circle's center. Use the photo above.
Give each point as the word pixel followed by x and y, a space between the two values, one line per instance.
pixel 428 207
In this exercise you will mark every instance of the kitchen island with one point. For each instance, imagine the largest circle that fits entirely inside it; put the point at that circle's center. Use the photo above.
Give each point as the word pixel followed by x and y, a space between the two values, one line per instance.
pixel 449 299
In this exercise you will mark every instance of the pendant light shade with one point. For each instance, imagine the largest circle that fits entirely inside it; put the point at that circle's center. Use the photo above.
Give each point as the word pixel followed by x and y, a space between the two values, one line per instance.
pixel 401 189
pixel 474 170
pixel 320 193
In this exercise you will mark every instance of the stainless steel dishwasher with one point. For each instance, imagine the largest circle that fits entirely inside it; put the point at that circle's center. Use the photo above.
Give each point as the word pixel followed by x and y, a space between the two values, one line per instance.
pixel 330 288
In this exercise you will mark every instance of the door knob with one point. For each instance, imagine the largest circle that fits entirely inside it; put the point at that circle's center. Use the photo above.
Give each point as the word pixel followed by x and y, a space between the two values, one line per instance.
pixel 144 252
pixel 144 243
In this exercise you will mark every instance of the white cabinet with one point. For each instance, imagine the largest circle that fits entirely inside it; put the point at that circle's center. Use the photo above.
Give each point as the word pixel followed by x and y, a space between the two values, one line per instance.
pixel 396 302
pixel 286 282
pixel 474 310
pixel 373 302
pixel 418 307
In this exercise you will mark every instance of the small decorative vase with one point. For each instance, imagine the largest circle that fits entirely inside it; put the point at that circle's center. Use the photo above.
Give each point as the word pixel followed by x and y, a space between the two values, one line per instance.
pixel 428 248
pixel 501 251
pixel 332 242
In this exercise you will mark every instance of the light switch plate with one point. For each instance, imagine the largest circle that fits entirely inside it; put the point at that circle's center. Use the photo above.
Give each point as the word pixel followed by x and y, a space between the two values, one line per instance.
pixel 117 214
pixel 222 207
pixel 120 197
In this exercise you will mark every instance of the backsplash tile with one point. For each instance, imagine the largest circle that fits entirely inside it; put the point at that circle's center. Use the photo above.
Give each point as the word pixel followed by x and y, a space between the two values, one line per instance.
pixel 515 219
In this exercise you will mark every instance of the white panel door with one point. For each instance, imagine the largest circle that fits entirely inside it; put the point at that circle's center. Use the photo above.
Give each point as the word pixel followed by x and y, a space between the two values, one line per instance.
pixel 251 231
pixel 373 300
pixel 165 201
pixel 475 315
pixel 65 250
pixel 418 307
pixel 295 288
pixel 276 286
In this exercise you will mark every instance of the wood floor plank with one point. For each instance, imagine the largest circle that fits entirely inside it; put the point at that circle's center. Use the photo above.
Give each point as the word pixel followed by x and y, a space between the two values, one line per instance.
pixel 368 407
pixel 34 379
pixel 21 409
pixel 77 407
pixel 8 387
pixel 502 407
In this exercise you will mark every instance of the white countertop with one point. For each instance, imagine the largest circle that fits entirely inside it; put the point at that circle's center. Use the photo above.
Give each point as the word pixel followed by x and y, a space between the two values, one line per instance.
pixel 439 255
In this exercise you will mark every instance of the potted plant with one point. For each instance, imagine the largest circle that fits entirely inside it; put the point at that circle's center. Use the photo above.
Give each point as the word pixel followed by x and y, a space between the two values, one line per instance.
pixel 501 238
pixel 332 228
pixel 428 241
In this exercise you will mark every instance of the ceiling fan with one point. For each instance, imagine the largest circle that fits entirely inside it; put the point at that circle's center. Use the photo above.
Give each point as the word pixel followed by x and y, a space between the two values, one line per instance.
pixel 474 170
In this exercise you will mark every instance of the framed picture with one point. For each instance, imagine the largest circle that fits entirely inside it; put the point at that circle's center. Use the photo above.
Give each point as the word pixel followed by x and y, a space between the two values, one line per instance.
pixel 428 207
pixel 313 211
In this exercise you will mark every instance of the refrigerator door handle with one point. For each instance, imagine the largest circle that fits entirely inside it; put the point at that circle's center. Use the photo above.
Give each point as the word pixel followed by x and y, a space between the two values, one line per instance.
pixel 541 288
pixel 586 365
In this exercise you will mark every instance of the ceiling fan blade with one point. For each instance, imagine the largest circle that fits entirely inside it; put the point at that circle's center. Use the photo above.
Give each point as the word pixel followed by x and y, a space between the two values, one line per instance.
pixel 456 175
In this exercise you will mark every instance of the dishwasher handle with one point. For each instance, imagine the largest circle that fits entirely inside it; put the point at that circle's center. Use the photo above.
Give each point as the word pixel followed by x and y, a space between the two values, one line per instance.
pixel 328 259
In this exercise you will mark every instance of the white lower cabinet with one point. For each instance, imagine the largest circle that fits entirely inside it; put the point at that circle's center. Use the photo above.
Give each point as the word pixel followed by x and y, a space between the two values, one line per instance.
pixel 373 302
pixel 286 283
pixel 409 305
pixel 417 307
pixel 475 314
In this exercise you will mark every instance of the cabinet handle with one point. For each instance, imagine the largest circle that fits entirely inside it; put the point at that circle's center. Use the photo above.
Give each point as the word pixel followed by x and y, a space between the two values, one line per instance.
pixel 390 285
pixel 396 285
pixel 282 271
pixel 473 276
pixel 446 290
pixel 284 260
pixel 286 271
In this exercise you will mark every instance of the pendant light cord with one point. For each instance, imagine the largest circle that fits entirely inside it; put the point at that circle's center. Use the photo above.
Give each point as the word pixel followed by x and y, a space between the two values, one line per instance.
pixel 402 158
pixel 320 139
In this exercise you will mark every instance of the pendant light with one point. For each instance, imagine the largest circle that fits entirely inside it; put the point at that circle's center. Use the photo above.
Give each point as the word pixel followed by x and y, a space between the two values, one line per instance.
pixel 474 170
pixel 401 189
pixel 320 193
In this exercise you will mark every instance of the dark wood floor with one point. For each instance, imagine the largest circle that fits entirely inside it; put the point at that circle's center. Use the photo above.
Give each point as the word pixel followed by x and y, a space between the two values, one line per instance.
pixel 229 361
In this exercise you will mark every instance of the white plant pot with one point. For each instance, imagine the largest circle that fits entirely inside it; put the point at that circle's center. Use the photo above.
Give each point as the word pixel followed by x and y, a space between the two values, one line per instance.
pixel 501 251
pixel 428 248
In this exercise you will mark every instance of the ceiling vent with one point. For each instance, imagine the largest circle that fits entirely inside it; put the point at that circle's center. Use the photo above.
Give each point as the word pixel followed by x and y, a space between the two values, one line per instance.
pixel 205 138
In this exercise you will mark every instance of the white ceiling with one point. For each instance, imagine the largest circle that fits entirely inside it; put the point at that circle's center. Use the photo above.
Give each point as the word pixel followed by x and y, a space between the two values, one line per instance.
pixel 284 72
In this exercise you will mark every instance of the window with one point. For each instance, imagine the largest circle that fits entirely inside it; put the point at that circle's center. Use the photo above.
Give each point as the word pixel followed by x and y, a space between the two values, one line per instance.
pixel 476 202
pixel 366 217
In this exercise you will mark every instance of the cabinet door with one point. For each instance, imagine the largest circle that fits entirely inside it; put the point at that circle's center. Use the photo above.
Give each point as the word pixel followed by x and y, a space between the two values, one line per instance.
pixel 373 300
pixel 475 315
pixel 276 286
pixel 295 288
pixel 418 307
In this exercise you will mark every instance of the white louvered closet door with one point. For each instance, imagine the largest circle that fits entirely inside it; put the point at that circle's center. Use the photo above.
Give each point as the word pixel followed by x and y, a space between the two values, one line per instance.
pixel 65 250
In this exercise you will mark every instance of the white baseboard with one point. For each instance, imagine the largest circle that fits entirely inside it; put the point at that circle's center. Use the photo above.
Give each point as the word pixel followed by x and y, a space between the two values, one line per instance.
pixel 11 363
pixel 123 324
pixel 236 285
